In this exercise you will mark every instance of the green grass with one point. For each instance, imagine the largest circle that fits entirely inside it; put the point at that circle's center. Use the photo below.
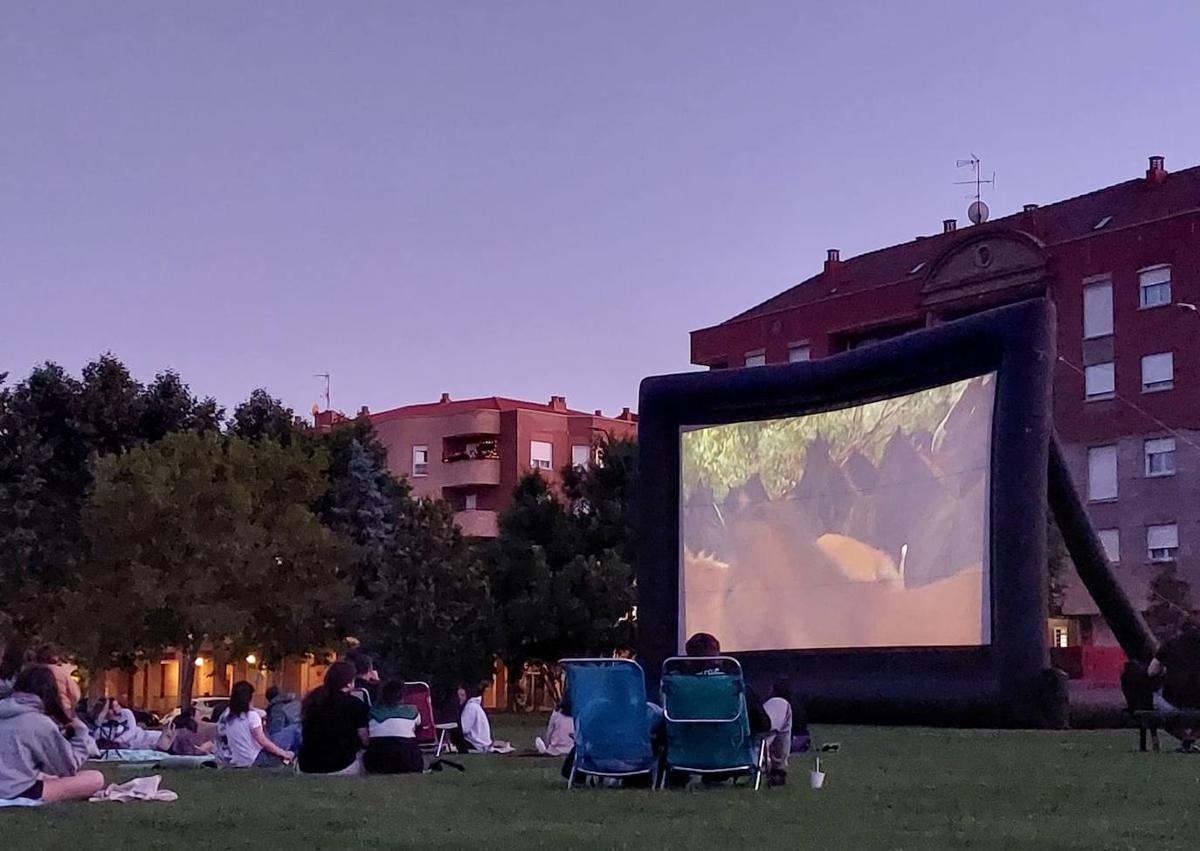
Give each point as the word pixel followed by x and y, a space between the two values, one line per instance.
pixel 886 789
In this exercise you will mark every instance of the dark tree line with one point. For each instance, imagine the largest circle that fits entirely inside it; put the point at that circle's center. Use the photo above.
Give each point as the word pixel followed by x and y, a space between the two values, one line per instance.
pixel 136 518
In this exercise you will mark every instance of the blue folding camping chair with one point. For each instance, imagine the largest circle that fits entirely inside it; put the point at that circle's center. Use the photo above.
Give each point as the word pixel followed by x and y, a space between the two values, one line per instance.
pixel 612 734
pixel 708 727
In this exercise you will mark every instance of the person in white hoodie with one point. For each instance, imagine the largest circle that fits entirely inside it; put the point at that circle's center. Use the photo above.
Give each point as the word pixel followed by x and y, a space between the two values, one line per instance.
pixel 41 749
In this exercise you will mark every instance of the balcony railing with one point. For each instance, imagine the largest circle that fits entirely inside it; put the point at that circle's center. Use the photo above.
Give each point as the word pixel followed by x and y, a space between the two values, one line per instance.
pixel 471 471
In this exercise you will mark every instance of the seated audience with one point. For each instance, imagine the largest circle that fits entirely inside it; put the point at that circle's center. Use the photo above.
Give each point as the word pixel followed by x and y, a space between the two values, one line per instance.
pixel 333 725
pixel 183 738
pixel 41 748
pixel 241 741
pixel 474 733
pixel 702 644
pixel 366 678
pixel 1177 663
pixel 14 658
pixel 117 727
pixel 68 689
pixel 779 741
pixel 560 732
pixel 392 746
pixel 283 718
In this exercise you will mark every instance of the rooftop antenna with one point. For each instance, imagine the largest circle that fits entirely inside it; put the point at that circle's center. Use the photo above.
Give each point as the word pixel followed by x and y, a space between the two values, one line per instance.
pixel 978 211
pixel 326 376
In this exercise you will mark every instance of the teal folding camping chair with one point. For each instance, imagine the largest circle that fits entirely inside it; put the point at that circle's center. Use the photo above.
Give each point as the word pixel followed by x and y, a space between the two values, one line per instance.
pixel 708 727
pixel 607 699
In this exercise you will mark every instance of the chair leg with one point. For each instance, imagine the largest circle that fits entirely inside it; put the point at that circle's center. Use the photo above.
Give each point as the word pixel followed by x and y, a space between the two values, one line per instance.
pixel 1142 739
pixel 571 777
pixel 441 742
pixel 1154 738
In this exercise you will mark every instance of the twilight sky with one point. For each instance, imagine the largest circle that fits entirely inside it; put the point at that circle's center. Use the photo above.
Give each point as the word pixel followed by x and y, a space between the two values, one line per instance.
pixel 520 198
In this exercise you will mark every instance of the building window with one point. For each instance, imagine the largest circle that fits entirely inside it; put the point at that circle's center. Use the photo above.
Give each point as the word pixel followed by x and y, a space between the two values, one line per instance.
pixel 1060 636
pixel 1110 539
pixel 1162 542
pixel 1154 285
pixel 1160 456
pixel 1158 372
pixel 420 461
pixel 799 352
pixel 541 455
pixel 1102 473
pixel 1099 382
pixel 756 358
pixel 581 455
pixel 1097 310
pixel 470 502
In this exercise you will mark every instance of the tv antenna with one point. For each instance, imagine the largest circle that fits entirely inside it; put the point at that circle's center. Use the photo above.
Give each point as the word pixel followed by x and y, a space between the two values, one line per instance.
pixel 978 211
pixel 326 376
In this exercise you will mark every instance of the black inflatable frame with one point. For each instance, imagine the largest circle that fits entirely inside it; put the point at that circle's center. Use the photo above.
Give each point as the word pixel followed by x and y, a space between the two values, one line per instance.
pixel 1005 683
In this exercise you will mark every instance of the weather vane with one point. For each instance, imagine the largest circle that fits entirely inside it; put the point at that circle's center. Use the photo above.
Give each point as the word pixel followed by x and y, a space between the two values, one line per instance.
pixel 978 211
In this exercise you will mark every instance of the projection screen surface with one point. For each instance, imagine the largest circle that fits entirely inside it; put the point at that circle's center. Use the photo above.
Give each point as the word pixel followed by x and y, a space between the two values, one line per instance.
pixel 861 527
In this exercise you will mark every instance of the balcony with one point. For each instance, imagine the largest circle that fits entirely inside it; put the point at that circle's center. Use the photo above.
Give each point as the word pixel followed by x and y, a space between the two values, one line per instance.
pixel 472 423
pixel 478 523
pixel 470 471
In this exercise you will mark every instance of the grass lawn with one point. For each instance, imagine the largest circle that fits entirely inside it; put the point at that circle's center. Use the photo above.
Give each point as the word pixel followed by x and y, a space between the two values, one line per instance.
pixel 887 789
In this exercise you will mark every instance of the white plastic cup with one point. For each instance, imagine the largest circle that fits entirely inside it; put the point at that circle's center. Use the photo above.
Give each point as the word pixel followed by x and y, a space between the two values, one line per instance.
pixel 816 779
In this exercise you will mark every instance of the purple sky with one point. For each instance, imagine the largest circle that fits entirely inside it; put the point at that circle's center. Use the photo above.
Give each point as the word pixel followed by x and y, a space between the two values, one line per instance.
pixel 519 198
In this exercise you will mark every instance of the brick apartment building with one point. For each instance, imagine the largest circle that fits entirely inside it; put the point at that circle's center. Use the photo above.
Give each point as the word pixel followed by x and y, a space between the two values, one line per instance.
pixel 472 452
pixel 1122 266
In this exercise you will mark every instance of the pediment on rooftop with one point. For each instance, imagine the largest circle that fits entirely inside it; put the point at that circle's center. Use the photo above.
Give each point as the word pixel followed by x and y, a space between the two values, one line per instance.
pixel 986 262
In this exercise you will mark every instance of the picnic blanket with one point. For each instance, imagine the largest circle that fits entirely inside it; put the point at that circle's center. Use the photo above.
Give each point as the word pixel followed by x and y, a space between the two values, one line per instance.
pixel 19 802
pixel 138 789
pixel 156 757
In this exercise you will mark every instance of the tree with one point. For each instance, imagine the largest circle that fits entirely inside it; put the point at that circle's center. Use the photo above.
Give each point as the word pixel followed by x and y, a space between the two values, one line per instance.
pixel 1058 562
pixel 202 539
pixel 1170 602
pixel 168 405
pixel 556 598
pixel 263 417
pixel 421 600
pixel 44 448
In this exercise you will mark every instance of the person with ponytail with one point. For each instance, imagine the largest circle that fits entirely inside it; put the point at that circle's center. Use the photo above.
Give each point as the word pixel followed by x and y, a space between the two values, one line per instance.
pixel 334 725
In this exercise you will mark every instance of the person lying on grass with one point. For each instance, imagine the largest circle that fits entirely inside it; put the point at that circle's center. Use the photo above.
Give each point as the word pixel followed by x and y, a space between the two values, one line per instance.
pixel 241 740
pixel 41 749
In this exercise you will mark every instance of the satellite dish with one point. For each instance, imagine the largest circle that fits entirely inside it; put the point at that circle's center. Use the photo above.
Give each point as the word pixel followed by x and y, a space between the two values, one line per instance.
pixel 977 212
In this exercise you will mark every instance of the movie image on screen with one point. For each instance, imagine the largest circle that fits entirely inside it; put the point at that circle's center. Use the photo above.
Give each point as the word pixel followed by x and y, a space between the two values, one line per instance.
pixel 860 527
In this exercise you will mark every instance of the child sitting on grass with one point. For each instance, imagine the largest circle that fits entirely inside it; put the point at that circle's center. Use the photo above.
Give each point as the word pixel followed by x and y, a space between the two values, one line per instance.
pixel 393 747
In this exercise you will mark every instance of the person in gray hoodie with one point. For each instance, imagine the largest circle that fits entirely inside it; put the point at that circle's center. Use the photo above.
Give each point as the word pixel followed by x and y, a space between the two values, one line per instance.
pixel 41 749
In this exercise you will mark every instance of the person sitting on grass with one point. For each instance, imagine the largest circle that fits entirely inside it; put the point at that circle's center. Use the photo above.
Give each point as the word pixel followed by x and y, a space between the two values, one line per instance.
pixel 41 749
pixel 779 741
pixel 241 741
pixel 366 678
pixel 560 732
pixel 1177 663
pixel 474 733
pixel 392 746
pixel 333 725
pixel 283 718
pixel 184 739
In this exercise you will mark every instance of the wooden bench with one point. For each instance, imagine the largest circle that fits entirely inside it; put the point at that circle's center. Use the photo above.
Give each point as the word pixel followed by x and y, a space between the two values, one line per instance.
pixel 1152 720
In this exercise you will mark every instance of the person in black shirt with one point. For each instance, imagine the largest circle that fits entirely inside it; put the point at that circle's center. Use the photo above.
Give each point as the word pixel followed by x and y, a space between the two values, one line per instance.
pixel 366 678
pixel 334 725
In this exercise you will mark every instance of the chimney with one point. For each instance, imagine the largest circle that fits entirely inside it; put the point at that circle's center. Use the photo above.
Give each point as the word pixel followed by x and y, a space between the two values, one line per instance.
pixel 1029 208
pixel 599 412
pixel 1157 172
pixel 833 259
pixel 949 225
pixel 364 411
pixel 558 403
pixel 445 399
pixel 625 414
